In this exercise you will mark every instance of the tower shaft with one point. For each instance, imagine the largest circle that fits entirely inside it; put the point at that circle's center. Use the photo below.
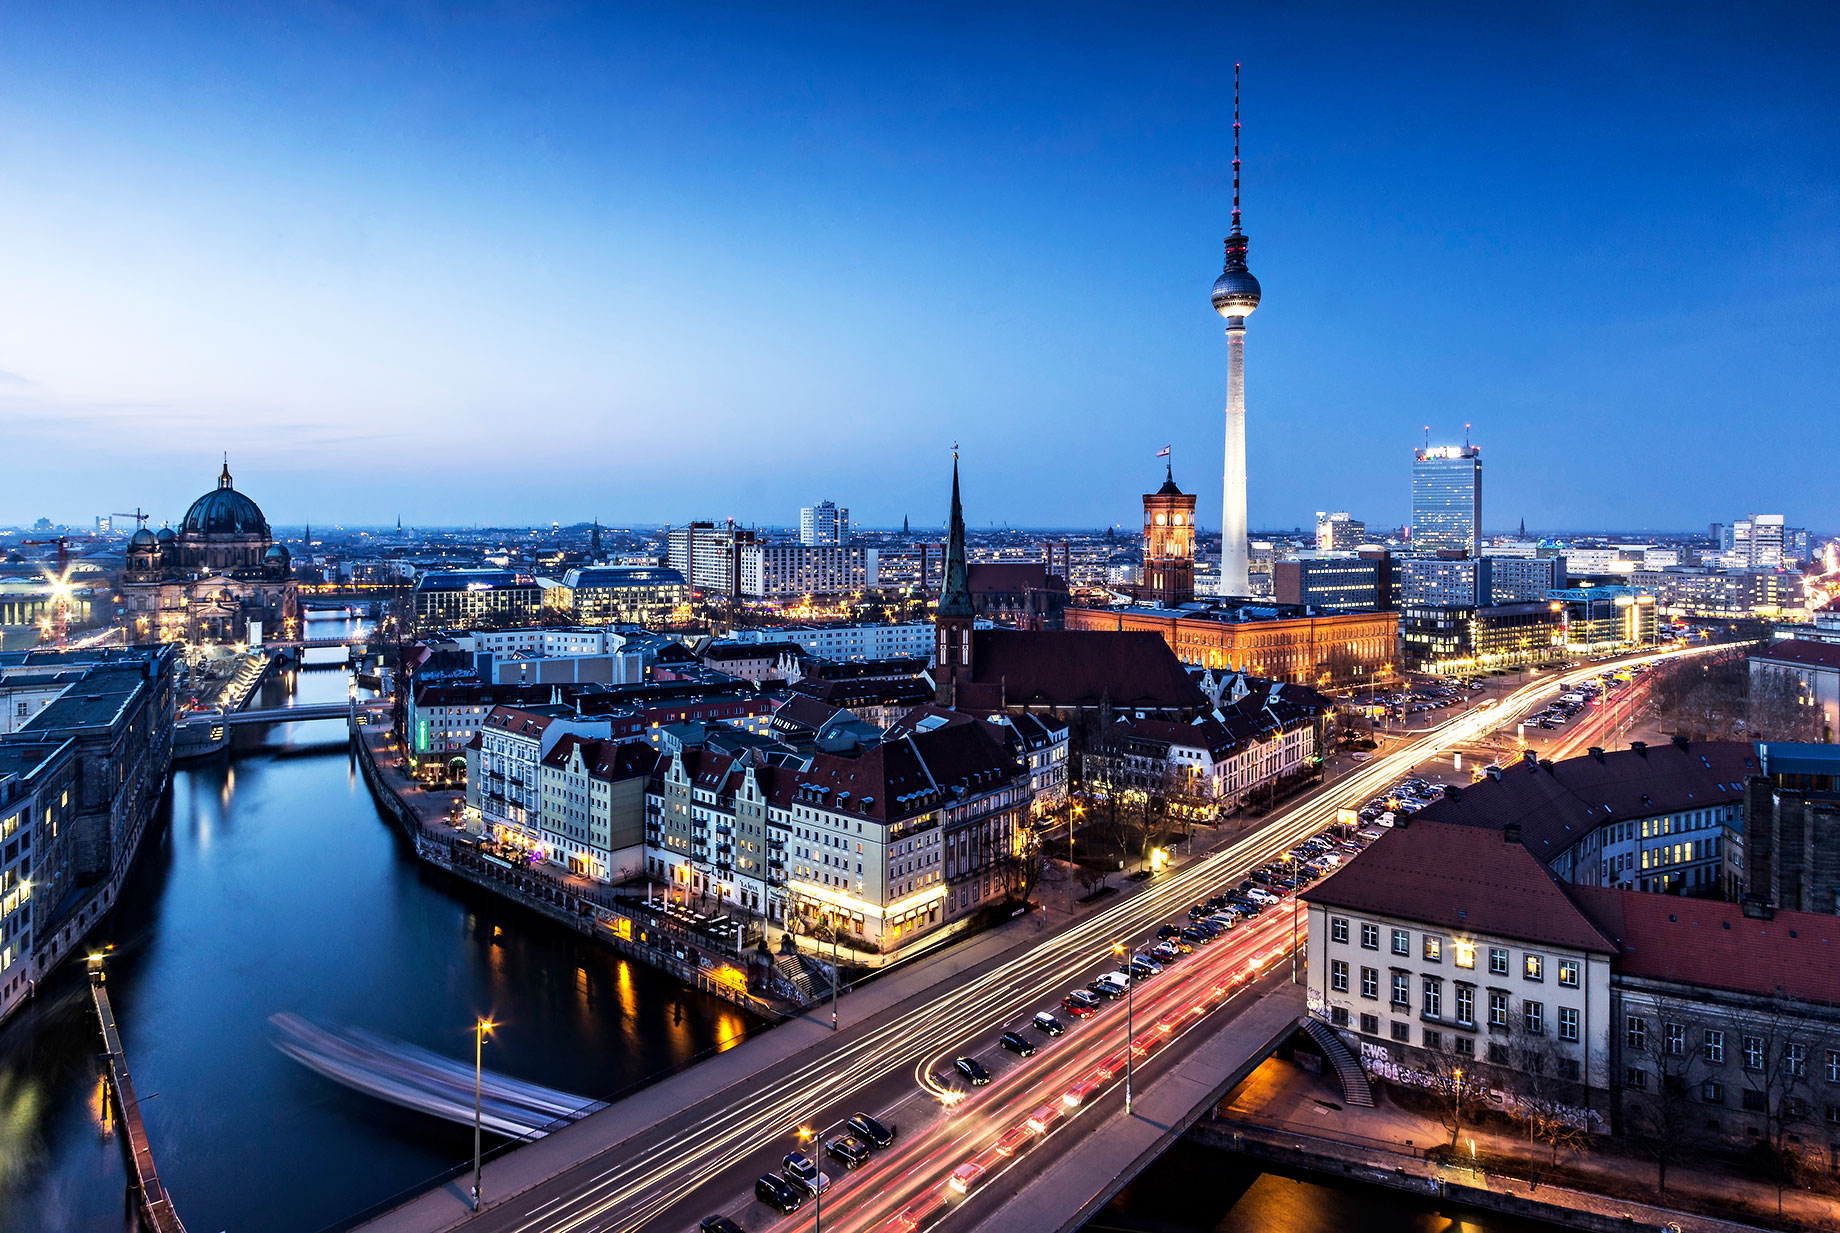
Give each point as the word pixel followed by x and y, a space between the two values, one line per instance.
pixel 1235 566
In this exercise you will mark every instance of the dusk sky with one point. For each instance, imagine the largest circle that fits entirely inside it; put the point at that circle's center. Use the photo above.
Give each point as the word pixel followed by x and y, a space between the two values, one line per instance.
pixel 552 262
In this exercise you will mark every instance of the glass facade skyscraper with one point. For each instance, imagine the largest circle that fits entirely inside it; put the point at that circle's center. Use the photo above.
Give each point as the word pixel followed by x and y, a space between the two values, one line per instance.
pixel 1447 499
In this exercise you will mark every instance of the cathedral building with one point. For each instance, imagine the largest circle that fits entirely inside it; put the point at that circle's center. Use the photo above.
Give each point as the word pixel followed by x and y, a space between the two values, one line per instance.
pixel 209 579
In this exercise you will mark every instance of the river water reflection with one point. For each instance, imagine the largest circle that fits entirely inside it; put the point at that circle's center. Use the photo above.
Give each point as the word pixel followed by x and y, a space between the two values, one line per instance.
pixel 276 886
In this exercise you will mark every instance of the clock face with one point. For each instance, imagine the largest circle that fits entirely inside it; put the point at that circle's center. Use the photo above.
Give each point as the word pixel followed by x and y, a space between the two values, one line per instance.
pixel 1178 520
pixel 1159 520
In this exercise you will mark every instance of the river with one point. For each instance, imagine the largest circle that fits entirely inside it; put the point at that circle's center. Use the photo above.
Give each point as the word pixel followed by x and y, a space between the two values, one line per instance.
pixel 275 885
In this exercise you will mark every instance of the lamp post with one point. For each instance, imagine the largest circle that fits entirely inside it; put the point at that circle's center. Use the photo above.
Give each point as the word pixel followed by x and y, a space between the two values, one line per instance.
pixel 808 1135
pixel 1295 895
pixel 1459 1106
pixel 1130 1026
pixel 480 1029
pixel 1073 816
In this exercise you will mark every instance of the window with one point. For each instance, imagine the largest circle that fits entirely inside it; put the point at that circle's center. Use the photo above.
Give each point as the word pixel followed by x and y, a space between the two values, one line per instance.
pixel 1464 1045
pixel 1833 1065
pixel 1535 1014
pixel 1370 1024
pixel 1795 1058
pixel 1568 1023
pixel 1534 967
pixel 1370 982
pixel 1466 1005
pixel 1715 1046
pixel 1338 1015
pixel 1635 1077
pixel 1675 1036
pixel 1370 936
pixel 1498 1053
pixel 1568 973
pixel 1753 1053
pixel 1498 961
pixel 1712 1092
pixel 1635 1032
pixel 1434 1039
pixel 1433 1003
pixel 1338 929
pixel 1338 975
pixel 1402 1031
pixel 1402 942
pixel 1434 948
pixel 1402 989
pixel 1498 1009
pixel 1753 1100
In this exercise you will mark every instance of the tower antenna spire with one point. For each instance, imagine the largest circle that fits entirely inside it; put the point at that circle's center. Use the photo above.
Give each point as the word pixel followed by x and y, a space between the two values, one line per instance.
pixel 1236 146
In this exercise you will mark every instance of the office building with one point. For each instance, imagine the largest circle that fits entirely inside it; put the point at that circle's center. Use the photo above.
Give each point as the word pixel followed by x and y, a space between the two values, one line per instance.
pixel 1599 620
pixel 1447 499
pixel 709 557
pixel 1792 827
pixel 790 572
pixel 457 598
pixel 1338 532
pixel 1523 580
pixel 1335 584
pixel 1465 638
pixel 879 640
pixel 824 524
pixel 636 595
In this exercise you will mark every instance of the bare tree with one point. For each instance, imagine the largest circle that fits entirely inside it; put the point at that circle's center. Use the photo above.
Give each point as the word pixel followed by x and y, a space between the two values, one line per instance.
pixel 1775 1053
pixel 1780 709
pixel 1023 868
pixel 1549 1096
pixel 1460 1092
pixel 1660 1071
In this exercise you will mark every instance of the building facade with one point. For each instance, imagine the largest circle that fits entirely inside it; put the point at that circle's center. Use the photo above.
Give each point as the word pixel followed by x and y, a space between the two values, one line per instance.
pixel 1335 584
pixel 790 572
pixel 1447 499
pixel 824 524
pixel 1169 545
pixel 637 595
pixel 1331 649
pixel 461 598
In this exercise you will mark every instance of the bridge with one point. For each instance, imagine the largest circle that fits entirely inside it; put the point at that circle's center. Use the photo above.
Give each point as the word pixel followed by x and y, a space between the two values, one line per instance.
pixel 1044 1142
pixel 157 1212
pixel 311 644
pixel 359 711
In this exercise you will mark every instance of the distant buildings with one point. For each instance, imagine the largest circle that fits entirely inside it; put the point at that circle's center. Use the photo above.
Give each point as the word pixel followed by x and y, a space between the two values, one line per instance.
pixel 1286 644
pixel 824 524
pixel 639 595
pixel 708 557
pixel 1338 532
pixel 790 572
pixel 1447 499
pixel 458 598
pixel 879 640
pixel 1335 584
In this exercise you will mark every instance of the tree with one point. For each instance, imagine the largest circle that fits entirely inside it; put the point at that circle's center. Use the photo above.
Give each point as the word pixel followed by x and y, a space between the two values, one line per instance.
pixel 1775 1053
pixel 1024 867
pixel 1659 1108
pixel 1460 1091
pixel 1780 708
pixel 1548 1095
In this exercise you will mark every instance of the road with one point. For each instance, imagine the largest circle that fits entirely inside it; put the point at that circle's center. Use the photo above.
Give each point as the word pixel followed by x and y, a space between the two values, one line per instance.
pixel 705 1159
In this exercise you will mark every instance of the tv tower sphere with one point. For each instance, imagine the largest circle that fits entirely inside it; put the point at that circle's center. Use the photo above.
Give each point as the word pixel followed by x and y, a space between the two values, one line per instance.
pixel 1236 291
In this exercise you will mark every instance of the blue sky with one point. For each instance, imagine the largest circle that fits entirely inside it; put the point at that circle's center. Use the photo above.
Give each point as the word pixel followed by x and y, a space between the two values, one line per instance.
pixel 524 263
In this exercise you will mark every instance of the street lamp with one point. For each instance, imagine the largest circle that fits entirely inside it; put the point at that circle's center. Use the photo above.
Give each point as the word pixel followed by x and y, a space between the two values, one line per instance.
pixel 1295 896
pixel 808 1135
pixel 480 1029
pixel 1130 1028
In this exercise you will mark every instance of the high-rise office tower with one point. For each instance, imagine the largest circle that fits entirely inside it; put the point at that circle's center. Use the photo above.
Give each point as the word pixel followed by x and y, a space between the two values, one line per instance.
pixel 1447 499
pixel 1235 295
pixel 824 523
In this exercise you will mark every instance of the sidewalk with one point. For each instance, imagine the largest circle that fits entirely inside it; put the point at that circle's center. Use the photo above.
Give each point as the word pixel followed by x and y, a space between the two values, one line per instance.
pixel 1294 1106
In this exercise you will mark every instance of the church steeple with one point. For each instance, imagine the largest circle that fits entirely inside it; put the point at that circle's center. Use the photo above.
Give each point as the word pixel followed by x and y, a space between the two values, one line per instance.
pixel 955 617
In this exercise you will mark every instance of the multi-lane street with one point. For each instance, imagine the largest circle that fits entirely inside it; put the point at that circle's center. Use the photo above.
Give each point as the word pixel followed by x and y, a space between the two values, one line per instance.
pixel 897 1066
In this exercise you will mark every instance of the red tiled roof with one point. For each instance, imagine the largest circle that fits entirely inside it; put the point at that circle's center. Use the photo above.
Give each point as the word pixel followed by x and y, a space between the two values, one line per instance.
pixel 1802 651
pixel 1461 878
pixel 1077 668
pixel 1711 943
pixel 1558 804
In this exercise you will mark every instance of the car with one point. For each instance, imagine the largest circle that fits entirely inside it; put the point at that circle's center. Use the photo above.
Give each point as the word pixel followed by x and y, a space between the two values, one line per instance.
pixel 870 1131
pixel 1167 932
pixel 849 1149
pixel 1016 1044
pixel 1262 877
pixel 1080 1004
pixel 1216 903
pixel 1108 990
pixel 1046 1024
pixel 966 1176
pixel 972 1069
pixel 776 1192
pixel 1198 910
pixel 1197 934
pixel 803 1173
pixel 719 1224
pixel 1167 953
pixel 1145 966
pixel 1223 923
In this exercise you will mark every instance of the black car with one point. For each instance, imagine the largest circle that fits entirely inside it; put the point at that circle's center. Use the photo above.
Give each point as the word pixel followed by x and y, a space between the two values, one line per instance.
pixel 1047 1024
pixel 802 1171
pixel 1216 903
pixel 720 1224
pixel 1016 1044
pixel 1242 888
pixel 1198 911
pixel 1166 932
pixel 1195 933
pixel 849 1149
pixel 1107 990
pixel 776 1192
pixel 1261 877
pixel 870 1131
pixel 973 1070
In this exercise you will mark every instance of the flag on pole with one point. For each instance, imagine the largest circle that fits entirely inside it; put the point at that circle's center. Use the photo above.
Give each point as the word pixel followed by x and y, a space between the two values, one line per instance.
pixel 1163 453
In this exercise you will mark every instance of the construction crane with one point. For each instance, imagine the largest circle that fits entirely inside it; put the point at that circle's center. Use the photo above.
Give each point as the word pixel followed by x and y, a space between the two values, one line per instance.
pixel 60 587
pixel 140 519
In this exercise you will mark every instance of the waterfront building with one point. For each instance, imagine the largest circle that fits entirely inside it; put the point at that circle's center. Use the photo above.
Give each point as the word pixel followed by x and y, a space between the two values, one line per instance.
pixel 208 580
pixel 1447 499
pixel 593 806
pixel 1287 644
pixel 1667 819
pixel 1338 532
pixel 513 744
pixel 1335 584
pixel 824 524
pixel 880 640
pixel 1446 948
pixel 1169 545
pixel 1804 670
pixel 445 716
pixel 637 595
pixel 1235 295
pixel 460 598
pixel 101 749
pixel 1792 831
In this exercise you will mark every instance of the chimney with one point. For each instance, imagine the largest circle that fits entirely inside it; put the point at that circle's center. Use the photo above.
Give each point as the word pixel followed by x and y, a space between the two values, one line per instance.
pixel 1495 772
pixel 1529 757
pixel 1453 792
pixel 1680 741
pixel 1640 747
pixel 1511 833
pixel 1546 765
pixel 1596 751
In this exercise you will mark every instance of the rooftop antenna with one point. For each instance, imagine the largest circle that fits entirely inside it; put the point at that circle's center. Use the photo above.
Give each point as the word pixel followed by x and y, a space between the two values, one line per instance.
pixel 1427 436
pixel 1466 436
pixel 1236 146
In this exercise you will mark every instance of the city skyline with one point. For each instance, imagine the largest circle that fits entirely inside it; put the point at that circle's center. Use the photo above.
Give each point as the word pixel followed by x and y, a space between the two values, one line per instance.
pixel 349 254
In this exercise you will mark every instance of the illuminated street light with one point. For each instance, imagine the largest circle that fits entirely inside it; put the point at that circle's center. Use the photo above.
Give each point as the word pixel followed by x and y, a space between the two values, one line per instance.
pixel 481 1028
